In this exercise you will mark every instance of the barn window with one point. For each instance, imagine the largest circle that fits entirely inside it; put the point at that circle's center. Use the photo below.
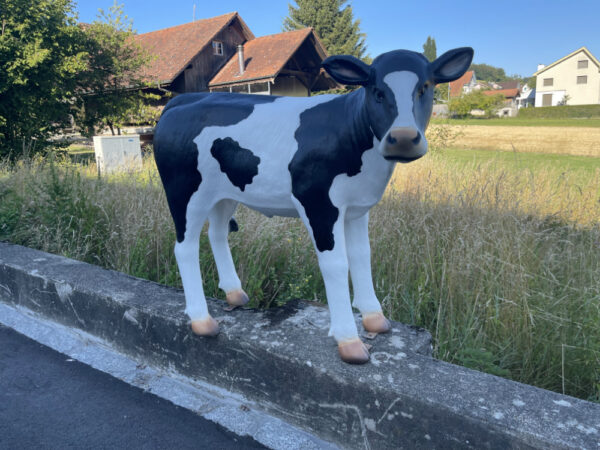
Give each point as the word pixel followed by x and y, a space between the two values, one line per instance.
pixel 217 48
pixel 583 64
pixel 582 79
pixel 548 81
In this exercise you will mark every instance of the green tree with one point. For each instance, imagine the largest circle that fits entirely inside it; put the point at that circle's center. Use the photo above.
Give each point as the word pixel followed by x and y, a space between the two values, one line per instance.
pixel 112 82
pixel 42 52
pixel 463 105
pixel 429 49
pixel 441 93
pixel 531 82
pixel 489 73
pixel 334 23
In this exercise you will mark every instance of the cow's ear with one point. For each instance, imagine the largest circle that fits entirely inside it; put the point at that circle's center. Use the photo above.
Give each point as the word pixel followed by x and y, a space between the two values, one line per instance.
pixel 452 65
pixel 346 69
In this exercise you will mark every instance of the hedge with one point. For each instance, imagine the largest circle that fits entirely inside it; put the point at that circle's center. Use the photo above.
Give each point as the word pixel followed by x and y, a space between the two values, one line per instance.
pixel 561 112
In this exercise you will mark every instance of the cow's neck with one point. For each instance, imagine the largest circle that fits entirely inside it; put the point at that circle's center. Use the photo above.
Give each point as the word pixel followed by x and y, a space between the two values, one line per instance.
pixel 356 110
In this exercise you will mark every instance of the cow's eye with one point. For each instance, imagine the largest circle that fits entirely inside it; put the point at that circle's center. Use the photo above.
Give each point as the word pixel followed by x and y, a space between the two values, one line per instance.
pixel 379 95
pixel 422 90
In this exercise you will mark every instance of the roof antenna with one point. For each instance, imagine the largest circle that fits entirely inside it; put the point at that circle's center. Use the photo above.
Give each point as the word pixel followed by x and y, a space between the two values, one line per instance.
pixel 194 13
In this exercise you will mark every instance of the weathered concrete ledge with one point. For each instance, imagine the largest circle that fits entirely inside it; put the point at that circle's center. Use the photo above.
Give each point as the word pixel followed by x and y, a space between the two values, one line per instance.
pixel 284 361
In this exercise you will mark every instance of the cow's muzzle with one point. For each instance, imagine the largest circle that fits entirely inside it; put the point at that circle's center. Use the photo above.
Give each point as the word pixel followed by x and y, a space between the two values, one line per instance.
pixel 403 144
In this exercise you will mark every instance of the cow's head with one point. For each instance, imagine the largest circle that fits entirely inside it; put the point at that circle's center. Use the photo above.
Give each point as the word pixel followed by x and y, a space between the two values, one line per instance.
pixel 399 94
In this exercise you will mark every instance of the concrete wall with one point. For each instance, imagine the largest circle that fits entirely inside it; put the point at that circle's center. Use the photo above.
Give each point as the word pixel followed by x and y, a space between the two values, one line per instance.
pixel 564 77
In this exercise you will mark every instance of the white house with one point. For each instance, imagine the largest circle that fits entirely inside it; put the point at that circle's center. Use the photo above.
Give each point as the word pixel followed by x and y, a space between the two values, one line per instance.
pixel 576 76
pixel 526 97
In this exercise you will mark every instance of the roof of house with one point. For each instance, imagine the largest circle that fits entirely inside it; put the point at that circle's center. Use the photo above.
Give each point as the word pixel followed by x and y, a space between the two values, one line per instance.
pixel 507 93
pixel 584 49
pixel 512 84
pixel 456 86
pixel 177 46
pixel 265 57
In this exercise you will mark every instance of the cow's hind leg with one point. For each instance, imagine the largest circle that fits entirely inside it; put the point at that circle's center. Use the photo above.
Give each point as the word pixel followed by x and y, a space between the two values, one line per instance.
pixel 217 234
pixel 359 257
pixel 187 253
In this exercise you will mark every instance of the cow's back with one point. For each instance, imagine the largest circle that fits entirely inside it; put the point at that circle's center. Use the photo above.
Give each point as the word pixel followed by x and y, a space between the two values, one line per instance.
pixel 175 152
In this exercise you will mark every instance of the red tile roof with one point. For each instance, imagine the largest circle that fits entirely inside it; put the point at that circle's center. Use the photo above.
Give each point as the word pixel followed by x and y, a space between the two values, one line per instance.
pixel 264 57
pixel 507 93
pixel 175 47
pixel 456 86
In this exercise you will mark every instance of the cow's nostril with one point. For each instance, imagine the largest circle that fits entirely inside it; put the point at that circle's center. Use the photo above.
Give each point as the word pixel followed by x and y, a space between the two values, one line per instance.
pixel 391 139
pixel 417 139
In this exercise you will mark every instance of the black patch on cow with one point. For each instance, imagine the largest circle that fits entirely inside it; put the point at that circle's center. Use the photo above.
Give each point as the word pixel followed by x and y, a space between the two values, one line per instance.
pixel 175 152
pixel 332 138
pixel 238 163
pixel 233 225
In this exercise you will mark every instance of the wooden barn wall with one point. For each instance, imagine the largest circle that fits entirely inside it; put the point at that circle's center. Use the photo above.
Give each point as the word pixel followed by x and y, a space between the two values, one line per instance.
pixel 206 65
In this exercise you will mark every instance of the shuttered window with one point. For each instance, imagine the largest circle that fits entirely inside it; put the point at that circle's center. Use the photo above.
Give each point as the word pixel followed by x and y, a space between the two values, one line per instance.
pixel 547 100
pixel 582 79
pixel 548 81
pixel 583 64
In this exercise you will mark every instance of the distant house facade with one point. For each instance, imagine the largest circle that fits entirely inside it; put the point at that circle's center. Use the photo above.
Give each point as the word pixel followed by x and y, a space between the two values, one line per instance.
pixel 465 84
pixel 576 76
pixel 526 97
pixel 222 54
pixel 509 107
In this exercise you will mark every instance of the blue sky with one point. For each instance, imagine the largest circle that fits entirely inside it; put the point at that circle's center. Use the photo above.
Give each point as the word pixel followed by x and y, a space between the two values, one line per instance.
pixel 514 35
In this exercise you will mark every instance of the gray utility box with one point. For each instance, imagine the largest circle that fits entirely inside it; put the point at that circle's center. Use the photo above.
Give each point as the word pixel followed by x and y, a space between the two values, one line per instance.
pixel 117 153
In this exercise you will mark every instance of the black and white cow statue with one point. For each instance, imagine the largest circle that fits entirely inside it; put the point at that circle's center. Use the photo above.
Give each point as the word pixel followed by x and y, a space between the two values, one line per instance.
pixel 326 159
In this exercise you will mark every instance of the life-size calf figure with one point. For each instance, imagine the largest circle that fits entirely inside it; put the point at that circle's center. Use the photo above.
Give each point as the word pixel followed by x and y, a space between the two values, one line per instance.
pixel 326 159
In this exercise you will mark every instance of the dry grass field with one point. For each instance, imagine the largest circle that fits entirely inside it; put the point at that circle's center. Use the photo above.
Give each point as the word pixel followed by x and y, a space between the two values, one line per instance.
pixel 557 140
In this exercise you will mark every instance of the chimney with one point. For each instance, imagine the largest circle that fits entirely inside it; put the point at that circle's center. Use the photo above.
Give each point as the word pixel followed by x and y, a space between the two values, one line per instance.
pixel 541 66
pixel 241 58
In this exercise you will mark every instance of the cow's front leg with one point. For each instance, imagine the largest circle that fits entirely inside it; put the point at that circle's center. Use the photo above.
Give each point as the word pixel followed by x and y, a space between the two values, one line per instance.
pixel 333 263
pixel 359 257
pixel 217 234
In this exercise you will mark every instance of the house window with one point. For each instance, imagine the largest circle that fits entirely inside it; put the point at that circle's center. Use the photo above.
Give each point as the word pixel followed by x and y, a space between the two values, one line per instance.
pixel 583 64
pixel 547 100
pixel 217 48
pixel 548 81
pixel 582 79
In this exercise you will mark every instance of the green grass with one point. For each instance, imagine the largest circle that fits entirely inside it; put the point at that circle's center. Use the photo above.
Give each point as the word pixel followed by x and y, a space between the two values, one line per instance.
pixel 584 167
pixel 76 148
pixel 522 122
pixel 500 262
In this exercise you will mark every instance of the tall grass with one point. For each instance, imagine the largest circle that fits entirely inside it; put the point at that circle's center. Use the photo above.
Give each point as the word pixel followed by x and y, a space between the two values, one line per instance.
pixel 502 266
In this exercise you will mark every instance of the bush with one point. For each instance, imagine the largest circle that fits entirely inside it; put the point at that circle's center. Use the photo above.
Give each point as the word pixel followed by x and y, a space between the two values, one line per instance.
pixel 561 112
pixel 463 105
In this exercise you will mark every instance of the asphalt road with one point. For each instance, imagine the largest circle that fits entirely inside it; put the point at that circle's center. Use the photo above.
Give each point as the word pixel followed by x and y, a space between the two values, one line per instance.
pixel 50 401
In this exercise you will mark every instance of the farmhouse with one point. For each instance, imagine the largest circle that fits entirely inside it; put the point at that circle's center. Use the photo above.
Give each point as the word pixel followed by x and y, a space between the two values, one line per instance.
pixel 222 54
pixel 509 107
pixel 575 77
pixel 464 84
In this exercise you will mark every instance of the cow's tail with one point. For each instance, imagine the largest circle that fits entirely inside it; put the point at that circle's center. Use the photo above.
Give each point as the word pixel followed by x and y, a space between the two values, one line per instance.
pixel 233 225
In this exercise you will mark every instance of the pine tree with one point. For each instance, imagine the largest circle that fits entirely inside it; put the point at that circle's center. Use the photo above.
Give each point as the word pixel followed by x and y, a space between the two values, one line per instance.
pixel 429 49
pixel 334 23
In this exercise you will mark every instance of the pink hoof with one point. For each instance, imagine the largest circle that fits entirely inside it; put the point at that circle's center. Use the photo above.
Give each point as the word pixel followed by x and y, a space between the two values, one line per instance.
pixel 353 351
pixel 205 327
pixel 237 298
pixel 376 323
